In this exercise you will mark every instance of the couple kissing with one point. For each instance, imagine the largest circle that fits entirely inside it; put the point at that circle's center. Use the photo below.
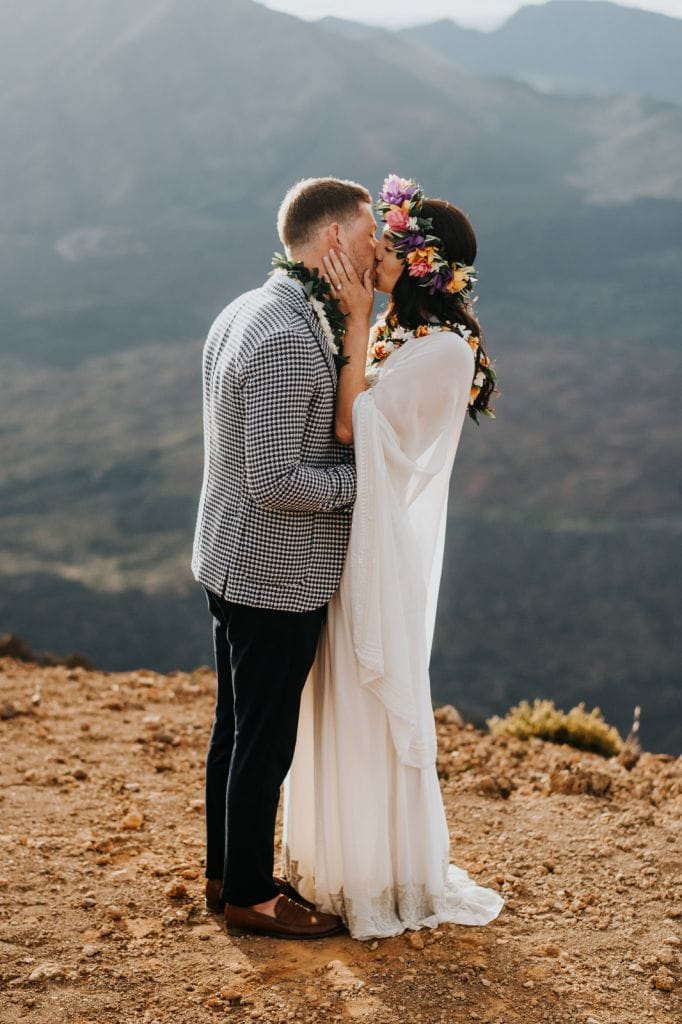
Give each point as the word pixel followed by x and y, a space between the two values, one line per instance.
pixel 329 443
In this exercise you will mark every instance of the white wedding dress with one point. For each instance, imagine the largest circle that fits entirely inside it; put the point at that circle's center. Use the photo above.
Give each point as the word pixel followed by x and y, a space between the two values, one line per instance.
pixel 365 833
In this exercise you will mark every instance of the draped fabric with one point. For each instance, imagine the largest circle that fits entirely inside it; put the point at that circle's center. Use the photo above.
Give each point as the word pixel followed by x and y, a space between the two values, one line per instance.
pixel 365 833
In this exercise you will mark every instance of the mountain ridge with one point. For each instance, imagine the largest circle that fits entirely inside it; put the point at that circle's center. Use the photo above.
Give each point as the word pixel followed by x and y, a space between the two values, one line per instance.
pixel 143 200
pixel 565 46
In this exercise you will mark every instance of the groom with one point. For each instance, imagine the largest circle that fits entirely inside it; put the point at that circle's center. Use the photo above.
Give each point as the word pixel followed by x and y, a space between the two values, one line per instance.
pixel 271 537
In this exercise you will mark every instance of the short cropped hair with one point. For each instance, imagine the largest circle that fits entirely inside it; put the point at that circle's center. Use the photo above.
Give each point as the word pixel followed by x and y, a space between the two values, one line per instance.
pixel 313 201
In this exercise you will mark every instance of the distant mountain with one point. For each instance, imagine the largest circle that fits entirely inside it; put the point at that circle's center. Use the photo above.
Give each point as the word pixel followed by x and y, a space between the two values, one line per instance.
pixel 145 151
pixel 351 29
pixel 162 137
pixel 570 46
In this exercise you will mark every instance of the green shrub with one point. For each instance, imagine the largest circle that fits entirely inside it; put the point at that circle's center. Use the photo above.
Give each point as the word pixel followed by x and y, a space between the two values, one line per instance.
pixel 578 728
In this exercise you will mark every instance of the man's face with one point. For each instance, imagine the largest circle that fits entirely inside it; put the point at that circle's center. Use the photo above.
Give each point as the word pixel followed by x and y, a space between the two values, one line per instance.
pixel 358 239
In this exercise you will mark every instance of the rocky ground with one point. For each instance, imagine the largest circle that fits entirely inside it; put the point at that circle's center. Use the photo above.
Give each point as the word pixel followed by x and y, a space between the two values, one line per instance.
pixel 102 918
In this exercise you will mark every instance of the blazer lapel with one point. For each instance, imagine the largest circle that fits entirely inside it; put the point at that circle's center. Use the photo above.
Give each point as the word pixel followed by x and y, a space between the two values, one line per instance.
pixel 292 293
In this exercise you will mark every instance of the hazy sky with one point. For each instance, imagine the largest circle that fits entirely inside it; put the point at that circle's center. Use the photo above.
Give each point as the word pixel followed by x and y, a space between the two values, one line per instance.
pixel 472 13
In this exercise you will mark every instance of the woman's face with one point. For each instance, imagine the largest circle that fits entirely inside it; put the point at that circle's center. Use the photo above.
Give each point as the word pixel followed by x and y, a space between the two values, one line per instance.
pixel 388 266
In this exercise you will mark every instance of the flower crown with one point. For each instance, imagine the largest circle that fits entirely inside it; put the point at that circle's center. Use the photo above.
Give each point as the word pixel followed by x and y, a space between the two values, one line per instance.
pixel 400 205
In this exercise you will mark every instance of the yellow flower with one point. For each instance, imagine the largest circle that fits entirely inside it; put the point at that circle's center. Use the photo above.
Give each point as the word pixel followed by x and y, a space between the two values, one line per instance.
pixel 421 331
pixel 473 342
pixel 473 394
pixel 460 280
pixel 418 255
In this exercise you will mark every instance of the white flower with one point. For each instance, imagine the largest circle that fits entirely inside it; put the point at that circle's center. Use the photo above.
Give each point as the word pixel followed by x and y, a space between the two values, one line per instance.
pixel 413 224
pixel 400 333
pixel 321 314
pixel 479 379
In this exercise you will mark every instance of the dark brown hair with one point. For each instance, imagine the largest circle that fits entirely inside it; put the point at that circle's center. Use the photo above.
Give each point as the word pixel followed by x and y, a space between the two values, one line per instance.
pixel 411 304
pixel 312 201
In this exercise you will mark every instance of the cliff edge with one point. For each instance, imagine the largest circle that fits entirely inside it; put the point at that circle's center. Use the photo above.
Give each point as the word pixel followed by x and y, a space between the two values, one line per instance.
pixel 101 889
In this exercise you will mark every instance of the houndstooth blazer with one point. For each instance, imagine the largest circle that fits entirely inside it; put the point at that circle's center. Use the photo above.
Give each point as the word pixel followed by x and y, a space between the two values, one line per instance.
pixel 278 490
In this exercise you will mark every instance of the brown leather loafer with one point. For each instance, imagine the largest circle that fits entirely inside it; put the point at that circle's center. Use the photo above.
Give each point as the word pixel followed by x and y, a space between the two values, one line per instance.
pixel 291 921
pixel 213 889
pixel 215 904
pixel 288 890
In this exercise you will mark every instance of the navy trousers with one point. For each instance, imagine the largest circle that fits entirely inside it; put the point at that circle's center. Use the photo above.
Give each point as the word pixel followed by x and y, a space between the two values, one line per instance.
pixel 263 657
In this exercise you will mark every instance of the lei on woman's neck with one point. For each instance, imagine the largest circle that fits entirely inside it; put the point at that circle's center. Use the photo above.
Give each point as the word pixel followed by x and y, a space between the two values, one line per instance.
pixel 387 335
pixel 319 294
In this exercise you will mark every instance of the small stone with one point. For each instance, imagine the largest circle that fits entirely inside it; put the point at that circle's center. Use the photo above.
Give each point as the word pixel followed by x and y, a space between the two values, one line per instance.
pixel 47 971
pixel 176 890
pixel 416 940
pixel 190 873
pixel 114 912
pixel 79 773
pixel 375 945
pixel 91 950
pixel 133 820
pixel 529 984
pixel 665 956
pixel 230 995
pixel 663 980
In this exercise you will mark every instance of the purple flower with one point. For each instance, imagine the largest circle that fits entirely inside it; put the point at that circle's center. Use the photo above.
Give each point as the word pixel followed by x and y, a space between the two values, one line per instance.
pixel 396 190
pixel 440 281
pixel 410 242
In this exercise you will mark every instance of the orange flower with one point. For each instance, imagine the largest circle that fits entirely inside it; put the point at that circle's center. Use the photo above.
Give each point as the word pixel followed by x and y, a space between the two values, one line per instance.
pixel 460 280
pixel 424 255
pixel 421 331
pixel 473 342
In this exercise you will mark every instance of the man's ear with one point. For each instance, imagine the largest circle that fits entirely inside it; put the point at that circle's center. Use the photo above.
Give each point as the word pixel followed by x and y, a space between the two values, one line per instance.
pixel 335 235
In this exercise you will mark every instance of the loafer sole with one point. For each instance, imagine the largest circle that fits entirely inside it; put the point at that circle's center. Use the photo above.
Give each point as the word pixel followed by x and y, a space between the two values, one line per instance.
pixel 272 933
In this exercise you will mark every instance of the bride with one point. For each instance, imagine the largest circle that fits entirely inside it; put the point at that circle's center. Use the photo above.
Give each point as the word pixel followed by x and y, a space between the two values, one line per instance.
pixel 365 834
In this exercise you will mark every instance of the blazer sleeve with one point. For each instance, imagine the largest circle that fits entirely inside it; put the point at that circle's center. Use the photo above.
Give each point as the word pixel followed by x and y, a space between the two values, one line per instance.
pixel 278 386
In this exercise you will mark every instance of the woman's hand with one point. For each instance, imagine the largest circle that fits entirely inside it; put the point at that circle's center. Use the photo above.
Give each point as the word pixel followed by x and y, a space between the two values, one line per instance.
pixel 356 296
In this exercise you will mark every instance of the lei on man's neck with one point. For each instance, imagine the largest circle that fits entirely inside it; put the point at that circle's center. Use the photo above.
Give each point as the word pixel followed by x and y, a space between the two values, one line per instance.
pixel 319 294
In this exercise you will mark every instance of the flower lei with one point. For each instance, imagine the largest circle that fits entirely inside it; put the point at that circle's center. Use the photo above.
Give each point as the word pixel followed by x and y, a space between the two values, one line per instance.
pixel 319 295
pixel 400 205
pixel 387 335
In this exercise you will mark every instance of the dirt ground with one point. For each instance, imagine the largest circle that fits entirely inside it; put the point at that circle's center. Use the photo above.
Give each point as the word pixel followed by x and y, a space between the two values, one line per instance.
pixel 102 919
